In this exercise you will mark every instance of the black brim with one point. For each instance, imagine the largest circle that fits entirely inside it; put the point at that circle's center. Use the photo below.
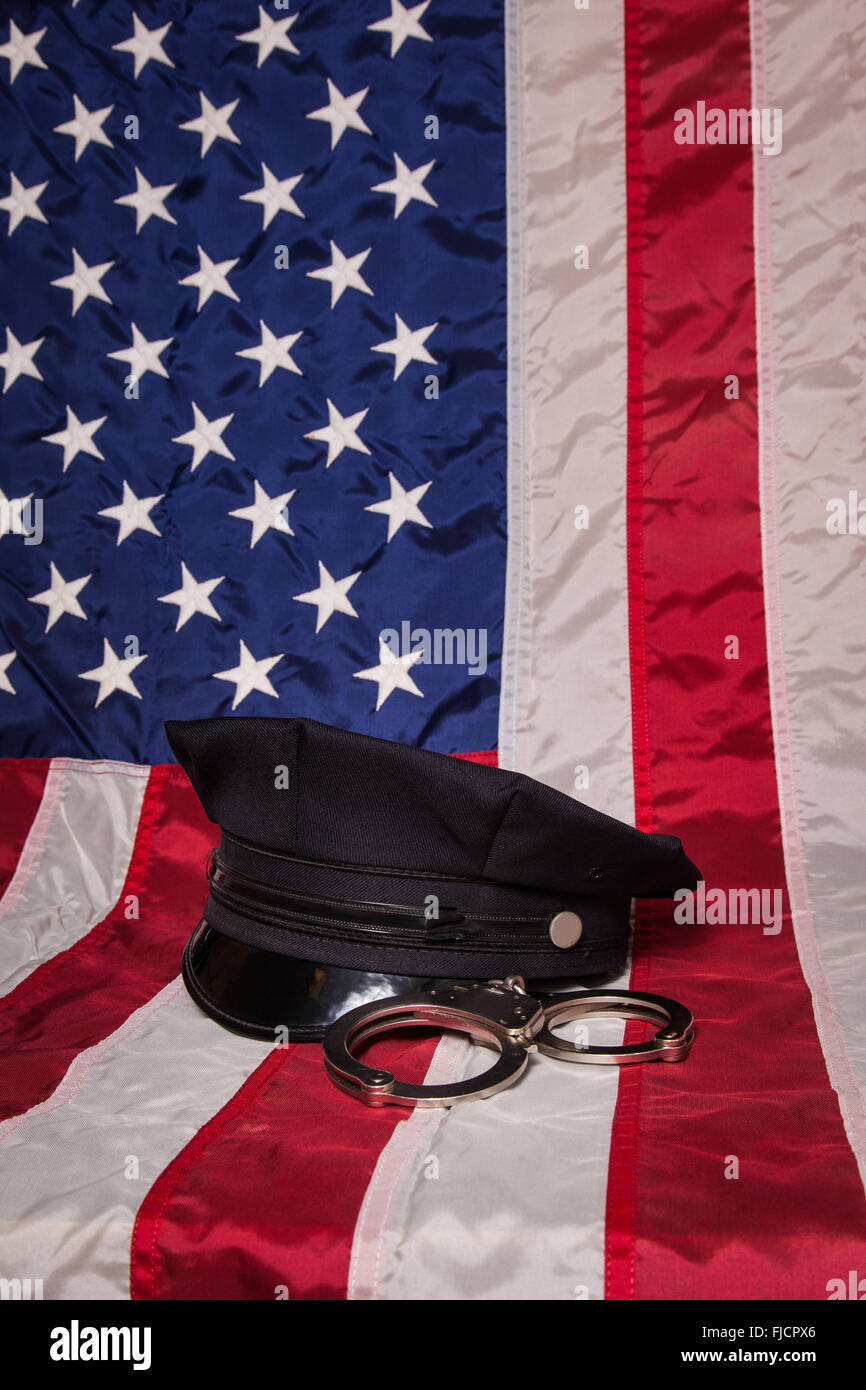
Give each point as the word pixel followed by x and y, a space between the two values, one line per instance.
pixel 277 998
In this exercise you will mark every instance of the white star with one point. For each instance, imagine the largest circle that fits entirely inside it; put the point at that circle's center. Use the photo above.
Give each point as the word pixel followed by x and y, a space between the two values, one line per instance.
pixel 340 433
pixel 205 437
pixel 133 513
pixel 401 506
pixel 266 513
pixel 145 44
pixel 330 597
pixel 249 675
pixel 11 517
pixel 148 200
pixel 407 184
pixel 23 202
pixel 271 353
pixel 275 195
pixel 408 346
pixel 20 49
pixel 77 438
pixel 62 597
pixel 344 273
pixel 210 278
pixel 5 662
pixel 404 24
pixel 392 673
pixel 115 673
pixel 143 356
pixel 341 113
pixel 212 124
pixel 17 360
pixel 86 126
pixel 192 597
pixel 84 281
pixel 271 34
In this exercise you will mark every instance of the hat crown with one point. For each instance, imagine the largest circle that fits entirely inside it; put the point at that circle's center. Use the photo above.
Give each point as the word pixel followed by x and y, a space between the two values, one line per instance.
pixel 303 788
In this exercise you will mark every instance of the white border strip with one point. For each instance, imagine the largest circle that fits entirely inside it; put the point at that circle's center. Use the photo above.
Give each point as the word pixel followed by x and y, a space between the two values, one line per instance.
pixel 516 572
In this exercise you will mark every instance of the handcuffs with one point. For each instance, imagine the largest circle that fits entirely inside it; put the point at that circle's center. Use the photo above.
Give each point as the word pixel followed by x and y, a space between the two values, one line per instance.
pixel 503 1015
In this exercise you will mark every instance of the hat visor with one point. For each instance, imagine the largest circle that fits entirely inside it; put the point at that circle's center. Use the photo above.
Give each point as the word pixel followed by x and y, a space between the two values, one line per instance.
pixel 277 998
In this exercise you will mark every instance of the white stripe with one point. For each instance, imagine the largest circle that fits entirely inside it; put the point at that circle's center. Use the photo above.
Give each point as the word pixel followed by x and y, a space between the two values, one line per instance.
pixel 382 1219
pixel 73 864
pixel 810 311
pixel 566 680
pixel 71 1188
pixel 506 1198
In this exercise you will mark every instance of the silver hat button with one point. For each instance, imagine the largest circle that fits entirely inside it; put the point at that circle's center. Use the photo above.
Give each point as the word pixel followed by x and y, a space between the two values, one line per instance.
pixel 565 929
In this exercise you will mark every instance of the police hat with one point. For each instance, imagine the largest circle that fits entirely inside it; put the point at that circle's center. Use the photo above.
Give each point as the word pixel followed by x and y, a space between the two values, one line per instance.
pixel 350 868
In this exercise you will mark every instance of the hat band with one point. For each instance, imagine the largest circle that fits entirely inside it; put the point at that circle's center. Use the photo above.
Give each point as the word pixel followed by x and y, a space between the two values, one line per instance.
pixel 371 918
pixel 395 920
pixel 416 894
pixel 394 940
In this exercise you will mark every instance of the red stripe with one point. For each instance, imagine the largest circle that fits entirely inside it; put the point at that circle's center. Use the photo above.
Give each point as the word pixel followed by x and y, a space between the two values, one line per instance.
pixel 82 995
pixel 145 1252
pixel 22 782
pixel 755 1088
pixel 267 1194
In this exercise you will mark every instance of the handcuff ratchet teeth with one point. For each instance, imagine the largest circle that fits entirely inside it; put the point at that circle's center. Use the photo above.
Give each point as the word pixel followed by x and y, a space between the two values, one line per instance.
pixel 503 1015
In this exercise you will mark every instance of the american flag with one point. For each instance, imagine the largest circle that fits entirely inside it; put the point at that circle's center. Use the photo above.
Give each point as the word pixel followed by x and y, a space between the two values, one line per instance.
pixel 336 337
pixel 254 404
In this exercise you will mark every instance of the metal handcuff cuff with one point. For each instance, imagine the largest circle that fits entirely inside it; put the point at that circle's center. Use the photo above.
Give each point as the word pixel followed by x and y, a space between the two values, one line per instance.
pixel 503 1015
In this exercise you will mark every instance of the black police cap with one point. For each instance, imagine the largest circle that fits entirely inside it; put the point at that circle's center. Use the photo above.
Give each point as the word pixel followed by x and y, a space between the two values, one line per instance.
pixel 352 868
